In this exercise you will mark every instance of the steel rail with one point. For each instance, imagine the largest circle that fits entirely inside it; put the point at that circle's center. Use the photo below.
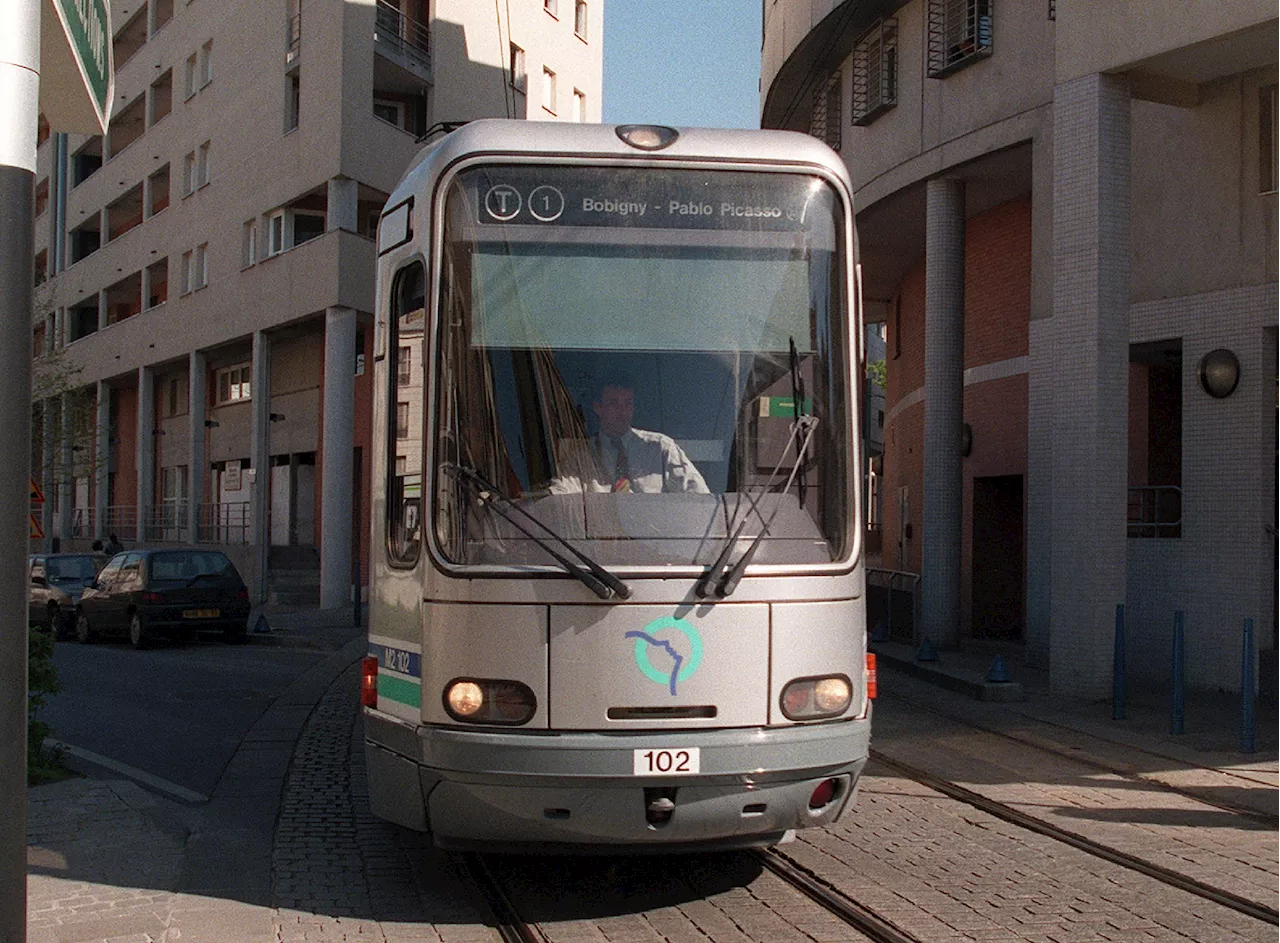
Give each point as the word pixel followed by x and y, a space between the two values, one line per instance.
pixel 506 920
pixel 815 888
pixel 1009 814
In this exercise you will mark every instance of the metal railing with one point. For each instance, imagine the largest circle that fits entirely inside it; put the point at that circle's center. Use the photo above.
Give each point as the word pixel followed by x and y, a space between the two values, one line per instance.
pixel 121 520
pixel 405 35
pixel 166 523
pixel 1155 511
pixel 893 604
pixel 224 523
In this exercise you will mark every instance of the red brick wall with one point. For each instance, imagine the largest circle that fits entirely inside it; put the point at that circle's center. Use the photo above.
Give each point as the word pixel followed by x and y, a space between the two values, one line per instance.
pixel 997 308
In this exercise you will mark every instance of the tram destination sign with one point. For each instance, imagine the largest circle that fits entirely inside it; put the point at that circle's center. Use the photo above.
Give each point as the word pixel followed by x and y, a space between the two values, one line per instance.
pixel 664 199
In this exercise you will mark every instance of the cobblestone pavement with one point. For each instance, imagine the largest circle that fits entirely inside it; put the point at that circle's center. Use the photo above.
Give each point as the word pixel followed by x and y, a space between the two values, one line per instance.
pixel 338 873
pixel 1224 849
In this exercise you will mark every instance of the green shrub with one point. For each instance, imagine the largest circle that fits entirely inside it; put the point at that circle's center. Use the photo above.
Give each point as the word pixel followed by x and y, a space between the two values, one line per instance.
pixel 42 681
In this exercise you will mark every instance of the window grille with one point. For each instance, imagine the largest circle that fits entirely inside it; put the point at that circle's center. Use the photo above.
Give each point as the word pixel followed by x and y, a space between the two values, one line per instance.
pixel 824 122
pixel 875 72
pixel 959 34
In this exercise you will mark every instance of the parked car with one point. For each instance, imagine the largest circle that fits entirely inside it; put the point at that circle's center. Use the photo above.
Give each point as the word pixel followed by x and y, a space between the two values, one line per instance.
pixel 56 581
pixel 145 594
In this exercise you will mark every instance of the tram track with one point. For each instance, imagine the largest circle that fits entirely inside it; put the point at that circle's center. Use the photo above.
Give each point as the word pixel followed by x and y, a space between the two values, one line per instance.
pixel 1007 813
pixel 506 920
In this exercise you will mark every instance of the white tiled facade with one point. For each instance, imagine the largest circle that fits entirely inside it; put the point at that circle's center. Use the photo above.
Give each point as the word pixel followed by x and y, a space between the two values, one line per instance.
pixel 1143 138
pixel 255 142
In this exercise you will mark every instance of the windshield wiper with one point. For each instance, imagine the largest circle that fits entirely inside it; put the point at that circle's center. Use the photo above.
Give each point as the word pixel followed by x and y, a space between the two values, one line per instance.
pixel 595 577
pixel 725 584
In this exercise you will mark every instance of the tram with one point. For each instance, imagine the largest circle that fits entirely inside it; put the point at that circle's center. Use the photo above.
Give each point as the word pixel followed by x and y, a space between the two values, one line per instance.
pixel 617 595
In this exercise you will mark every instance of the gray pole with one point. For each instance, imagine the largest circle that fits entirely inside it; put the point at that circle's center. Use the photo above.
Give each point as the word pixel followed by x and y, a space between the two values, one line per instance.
pixel 19 108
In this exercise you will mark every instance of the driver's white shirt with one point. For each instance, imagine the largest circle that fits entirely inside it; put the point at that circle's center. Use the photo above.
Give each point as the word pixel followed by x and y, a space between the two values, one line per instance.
pixel 655 464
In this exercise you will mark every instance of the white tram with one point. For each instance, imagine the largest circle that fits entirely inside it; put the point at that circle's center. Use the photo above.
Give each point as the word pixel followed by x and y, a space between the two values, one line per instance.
pixel 617 591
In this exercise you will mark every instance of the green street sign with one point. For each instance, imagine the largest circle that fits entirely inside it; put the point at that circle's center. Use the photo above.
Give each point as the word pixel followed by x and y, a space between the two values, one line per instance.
pixel 77 72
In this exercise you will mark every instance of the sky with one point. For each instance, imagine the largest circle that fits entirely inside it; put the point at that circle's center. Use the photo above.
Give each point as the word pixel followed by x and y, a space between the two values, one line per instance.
pixel 682 62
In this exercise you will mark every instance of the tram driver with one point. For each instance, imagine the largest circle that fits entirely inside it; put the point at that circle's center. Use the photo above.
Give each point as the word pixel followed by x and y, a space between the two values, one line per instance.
pixel 624 459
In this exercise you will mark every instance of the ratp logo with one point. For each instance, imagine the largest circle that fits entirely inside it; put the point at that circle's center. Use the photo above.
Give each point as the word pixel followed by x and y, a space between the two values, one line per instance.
pixel 680 646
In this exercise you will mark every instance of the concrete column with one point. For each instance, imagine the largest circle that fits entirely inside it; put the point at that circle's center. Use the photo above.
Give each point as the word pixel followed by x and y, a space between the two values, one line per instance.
pixel 197 461
pixel 943 410
pixel 146 449
pixel 337 443
pixel 260 460
pixel 1091 249
pixel 344 212
pixel 66 479
pixel 104 314
pixel 102 462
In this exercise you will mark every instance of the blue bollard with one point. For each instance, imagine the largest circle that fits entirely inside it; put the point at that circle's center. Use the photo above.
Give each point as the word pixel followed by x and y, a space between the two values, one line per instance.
pixel 1248 706
pixel 1117 668
pixel 1179 695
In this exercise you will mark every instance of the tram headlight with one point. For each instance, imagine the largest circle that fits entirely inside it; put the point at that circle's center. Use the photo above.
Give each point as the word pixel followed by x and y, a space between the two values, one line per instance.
pixel 816 698
pixel 489 701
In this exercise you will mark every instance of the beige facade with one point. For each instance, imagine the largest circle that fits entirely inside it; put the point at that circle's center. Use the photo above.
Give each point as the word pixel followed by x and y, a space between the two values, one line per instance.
pixel 1143 138
pixel 232 208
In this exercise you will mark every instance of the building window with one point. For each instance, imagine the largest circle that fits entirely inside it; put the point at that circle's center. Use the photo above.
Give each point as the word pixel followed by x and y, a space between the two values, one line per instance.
pixel 875 72
pixel 392 112
pixel 306 226
pixel 548 90
pixel 206 63
pixel 580 19
pixel 404 366
pixel 202 165
pixel 551 6
pixel 519 78
pixel 402 419
pixel 275 233
pixel 959 34
pixel 579 105
pixel 293 100
pixel 233 383
pixel 189 173
pixel 824 121
pixel 186 273
pixel 1155 439
pixel 249 244
pixel 1269 172
pixel 190 73
pixel 201 266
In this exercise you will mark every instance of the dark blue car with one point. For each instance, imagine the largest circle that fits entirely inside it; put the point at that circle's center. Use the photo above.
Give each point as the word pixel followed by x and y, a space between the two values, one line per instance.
pixel 146 594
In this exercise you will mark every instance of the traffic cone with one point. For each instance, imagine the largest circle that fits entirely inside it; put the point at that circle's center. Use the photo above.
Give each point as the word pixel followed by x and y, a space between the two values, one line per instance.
pixel 998 672
pixel 926 652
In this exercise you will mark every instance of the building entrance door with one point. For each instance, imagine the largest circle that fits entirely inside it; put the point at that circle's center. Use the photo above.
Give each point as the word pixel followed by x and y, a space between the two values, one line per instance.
pixel 998 558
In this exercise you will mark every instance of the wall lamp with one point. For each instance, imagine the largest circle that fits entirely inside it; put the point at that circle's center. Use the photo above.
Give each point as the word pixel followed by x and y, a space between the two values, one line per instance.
pixel 276 417
pixel 211 423
pixel 1219 373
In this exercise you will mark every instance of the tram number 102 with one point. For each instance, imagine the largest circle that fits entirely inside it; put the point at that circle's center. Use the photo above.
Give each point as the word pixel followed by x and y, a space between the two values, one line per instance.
pixel 682 762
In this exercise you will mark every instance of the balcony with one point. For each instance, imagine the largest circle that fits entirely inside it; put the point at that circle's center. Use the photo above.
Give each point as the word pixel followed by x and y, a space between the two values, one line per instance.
pixel 402 39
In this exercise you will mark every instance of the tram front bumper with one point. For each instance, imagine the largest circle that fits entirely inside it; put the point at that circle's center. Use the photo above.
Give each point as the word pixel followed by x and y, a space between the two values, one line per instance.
pixel 577 791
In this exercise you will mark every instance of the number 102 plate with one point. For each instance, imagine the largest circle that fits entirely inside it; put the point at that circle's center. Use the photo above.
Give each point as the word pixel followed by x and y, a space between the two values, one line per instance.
pixel 671 762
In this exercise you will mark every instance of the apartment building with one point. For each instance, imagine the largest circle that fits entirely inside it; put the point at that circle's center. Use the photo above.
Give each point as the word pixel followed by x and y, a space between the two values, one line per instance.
pixel 1068 222
pixel 205 269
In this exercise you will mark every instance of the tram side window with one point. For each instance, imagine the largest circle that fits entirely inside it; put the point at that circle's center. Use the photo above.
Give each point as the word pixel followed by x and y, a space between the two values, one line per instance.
pixel 404 406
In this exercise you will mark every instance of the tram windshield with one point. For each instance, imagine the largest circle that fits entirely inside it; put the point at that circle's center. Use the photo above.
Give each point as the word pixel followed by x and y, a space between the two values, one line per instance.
pixel 650 362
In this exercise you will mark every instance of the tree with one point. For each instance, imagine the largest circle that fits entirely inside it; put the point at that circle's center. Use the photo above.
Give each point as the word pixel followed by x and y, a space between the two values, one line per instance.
pixel 876 372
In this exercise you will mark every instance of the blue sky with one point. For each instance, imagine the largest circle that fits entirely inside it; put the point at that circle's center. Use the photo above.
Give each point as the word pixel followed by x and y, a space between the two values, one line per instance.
pixel 682 62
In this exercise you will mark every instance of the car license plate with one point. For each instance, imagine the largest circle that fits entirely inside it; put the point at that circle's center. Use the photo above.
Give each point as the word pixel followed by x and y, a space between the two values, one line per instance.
pixel 671 762
pixel 200 613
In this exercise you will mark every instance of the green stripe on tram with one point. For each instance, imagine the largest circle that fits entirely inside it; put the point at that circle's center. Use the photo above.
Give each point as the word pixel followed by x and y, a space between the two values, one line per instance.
pixel 399 690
